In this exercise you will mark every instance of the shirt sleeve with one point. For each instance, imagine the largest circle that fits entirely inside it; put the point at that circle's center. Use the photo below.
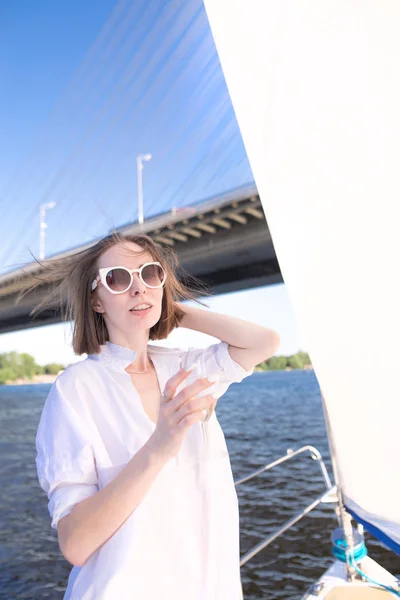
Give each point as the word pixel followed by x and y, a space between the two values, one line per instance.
pixel 65 459
pixel 215 362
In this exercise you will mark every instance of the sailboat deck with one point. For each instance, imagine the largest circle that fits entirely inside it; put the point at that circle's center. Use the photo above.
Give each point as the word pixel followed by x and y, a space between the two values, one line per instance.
pixel 357 593
pixel 333 584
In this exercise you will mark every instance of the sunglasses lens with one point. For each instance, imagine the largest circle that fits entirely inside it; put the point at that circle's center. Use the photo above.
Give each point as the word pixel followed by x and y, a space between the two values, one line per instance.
pixel 153 275
pixel 118 280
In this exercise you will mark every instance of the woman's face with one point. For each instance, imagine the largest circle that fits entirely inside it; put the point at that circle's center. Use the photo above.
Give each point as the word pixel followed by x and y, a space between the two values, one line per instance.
pixel 117 308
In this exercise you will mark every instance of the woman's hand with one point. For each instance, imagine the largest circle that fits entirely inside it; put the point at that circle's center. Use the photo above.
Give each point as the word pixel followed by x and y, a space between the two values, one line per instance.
pixel 178 413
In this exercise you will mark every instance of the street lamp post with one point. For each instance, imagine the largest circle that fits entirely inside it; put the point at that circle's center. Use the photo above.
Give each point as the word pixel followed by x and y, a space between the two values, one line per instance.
pixel 139 161
pixel 43 226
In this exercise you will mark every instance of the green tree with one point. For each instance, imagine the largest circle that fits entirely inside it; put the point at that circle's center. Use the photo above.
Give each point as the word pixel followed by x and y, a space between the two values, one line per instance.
pixel 14 365
pixel 304 358
pixel 9 366
pixel 53 368
pixel 6 374
pixel 28 366
pixel 294 362
pixel 277 363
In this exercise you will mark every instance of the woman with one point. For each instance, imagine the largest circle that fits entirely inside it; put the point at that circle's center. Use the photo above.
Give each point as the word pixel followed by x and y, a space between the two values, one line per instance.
pixel 143 502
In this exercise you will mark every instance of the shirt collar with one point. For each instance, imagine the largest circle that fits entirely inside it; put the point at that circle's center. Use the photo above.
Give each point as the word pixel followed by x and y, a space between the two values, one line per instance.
pixel 119 357
pixel 114 356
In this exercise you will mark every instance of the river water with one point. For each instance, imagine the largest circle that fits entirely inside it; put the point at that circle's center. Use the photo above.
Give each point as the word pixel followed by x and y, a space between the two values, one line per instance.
pixel 262 417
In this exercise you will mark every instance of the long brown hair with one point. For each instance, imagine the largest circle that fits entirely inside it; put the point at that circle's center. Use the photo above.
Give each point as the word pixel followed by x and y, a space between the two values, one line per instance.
pixel 70 279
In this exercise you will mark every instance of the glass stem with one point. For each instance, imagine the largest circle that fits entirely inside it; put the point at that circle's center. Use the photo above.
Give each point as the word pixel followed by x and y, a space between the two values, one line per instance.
pixel 204 431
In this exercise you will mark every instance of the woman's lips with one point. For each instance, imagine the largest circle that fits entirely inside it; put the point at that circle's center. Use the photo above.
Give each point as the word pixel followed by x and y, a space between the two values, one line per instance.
pixel 141 312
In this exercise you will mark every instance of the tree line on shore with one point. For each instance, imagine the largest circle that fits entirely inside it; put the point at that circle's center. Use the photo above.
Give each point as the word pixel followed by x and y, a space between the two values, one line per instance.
pixel 300 360
pixel 15 366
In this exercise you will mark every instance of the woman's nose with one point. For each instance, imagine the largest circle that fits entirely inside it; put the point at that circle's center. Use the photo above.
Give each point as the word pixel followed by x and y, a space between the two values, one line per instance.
pixel 137 286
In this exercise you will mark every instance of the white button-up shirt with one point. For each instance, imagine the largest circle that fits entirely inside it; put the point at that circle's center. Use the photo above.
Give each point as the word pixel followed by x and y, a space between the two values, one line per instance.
pixel 182 540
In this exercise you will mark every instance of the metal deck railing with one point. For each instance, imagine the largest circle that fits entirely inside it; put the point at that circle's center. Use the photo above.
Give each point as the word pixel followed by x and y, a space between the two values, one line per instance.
pixel 327 496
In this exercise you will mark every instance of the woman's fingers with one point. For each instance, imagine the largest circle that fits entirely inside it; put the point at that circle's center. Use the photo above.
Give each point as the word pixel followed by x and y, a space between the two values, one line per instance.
pixel 189 391
pixel 178 412
pixel 192 411
pixel 174 382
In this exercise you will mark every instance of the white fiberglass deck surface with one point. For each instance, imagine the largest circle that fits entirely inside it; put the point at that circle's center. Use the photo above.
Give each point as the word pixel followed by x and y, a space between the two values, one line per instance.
pixel 334 584
pixel 357 593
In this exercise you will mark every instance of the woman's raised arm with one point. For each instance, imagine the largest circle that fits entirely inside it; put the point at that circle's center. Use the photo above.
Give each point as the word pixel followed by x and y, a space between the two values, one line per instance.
pixel 249 344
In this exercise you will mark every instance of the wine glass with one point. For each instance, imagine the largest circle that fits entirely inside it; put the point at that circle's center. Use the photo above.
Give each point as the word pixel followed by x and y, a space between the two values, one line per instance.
pixel 200 371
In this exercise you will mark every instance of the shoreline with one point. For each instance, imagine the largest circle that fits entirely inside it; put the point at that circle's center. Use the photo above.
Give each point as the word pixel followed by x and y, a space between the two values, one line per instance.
pixel 40 379
pixel 36 380
pixel 305 368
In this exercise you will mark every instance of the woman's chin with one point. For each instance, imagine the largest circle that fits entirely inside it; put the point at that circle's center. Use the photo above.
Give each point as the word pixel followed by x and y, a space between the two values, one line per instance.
pixel 143 322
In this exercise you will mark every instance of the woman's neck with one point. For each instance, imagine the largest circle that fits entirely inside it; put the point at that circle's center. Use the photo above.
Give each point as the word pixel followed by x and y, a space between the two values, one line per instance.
pixel 134 369
pixel 142 363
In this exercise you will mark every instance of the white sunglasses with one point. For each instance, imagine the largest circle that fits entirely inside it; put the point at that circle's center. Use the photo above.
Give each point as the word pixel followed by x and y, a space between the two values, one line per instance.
pixel 118 280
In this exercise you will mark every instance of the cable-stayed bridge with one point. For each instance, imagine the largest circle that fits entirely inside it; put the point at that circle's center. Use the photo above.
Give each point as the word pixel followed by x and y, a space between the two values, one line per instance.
pixel 150 85
pixel 223 241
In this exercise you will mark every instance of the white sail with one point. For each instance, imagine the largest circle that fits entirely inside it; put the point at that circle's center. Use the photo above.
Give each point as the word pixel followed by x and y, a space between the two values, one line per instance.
pixel 316 89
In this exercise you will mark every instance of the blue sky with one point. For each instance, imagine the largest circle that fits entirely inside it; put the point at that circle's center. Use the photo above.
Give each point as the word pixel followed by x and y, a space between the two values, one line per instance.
pixel 86 86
